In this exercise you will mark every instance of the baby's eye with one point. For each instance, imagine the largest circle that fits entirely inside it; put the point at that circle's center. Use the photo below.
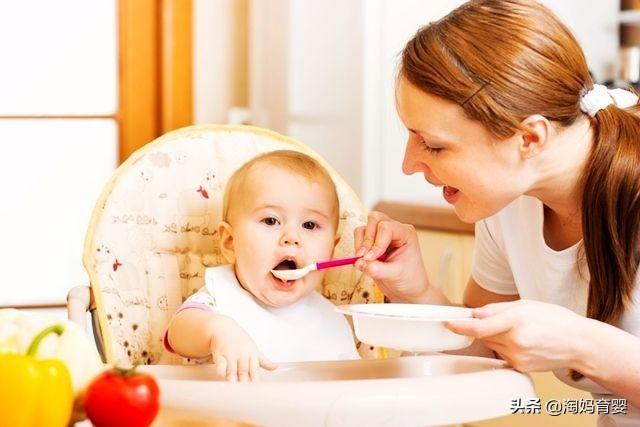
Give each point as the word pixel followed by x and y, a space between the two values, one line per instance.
pixel 270 221
pixel 310 225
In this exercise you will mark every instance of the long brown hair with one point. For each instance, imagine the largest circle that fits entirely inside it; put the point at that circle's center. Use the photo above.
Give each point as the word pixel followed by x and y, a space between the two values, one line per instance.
pixel 504 60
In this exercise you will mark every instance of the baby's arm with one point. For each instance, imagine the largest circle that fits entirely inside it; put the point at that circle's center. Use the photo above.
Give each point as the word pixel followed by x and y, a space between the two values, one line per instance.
pixel 191 330
pixel 197 330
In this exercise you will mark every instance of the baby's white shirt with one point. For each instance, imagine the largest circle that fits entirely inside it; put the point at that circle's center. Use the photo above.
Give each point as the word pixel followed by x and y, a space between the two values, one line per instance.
pixel 308 330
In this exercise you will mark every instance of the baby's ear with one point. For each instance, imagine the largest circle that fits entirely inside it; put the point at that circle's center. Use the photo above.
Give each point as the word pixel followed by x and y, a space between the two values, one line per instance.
pixel 225 231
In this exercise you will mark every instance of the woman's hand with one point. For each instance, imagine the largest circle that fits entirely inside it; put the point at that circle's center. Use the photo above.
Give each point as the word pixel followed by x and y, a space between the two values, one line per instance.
pixel 235 354
pixel 401 276
pixel 531 336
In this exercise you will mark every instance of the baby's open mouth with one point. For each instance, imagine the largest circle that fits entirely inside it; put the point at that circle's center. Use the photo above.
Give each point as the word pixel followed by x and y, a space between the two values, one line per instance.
pixel 287 263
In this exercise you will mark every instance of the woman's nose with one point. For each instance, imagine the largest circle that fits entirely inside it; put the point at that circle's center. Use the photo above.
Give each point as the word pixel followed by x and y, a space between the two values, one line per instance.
pixel 410 163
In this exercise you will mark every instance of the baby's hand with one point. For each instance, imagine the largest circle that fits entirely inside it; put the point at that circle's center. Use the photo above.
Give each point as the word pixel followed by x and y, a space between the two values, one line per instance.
pixel 236 355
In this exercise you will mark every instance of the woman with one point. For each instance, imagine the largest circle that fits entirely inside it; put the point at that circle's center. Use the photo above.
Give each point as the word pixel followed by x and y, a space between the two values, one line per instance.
pixel 502 112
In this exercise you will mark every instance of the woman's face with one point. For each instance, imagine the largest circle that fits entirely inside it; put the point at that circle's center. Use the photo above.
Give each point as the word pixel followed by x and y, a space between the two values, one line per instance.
pixel 479 173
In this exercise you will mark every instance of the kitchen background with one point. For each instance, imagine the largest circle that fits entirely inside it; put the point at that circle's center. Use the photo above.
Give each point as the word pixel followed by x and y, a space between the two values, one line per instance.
pixel 85 83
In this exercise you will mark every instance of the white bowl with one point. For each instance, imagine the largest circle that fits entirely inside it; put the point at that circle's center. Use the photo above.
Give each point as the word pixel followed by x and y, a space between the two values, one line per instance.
pixel 409 327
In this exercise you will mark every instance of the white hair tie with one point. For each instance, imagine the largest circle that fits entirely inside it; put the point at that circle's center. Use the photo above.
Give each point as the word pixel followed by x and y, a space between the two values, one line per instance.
pixel 600 97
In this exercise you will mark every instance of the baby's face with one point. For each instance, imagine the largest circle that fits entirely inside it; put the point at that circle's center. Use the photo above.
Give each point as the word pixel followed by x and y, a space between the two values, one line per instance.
pixel 281 221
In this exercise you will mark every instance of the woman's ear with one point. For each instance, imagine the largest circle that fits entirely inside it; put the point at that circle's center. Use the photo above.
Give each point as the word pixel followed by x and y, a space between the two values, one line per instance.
pixel 534 136
pixel 225 232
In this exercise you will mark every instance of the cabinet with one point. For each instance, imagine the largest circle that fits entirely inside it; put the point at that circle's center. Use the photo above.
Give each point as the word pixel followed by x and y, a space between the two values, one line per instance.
pixel 447 258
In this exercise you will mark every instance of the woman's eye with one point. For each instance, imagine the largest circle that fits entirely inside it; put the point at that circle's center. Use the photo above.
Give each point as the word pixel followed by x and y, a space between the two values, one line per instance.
pixel 425 146
pixel 310 225
pixel 433 150
pixel 270 221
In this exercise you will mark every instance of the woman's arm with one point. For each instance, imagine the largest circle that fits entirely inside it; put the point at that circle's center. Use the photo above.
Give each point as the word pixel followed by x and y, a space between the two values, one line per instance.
pixel 610 357
pixel 401 276
pixel 534 336
pixel 476 296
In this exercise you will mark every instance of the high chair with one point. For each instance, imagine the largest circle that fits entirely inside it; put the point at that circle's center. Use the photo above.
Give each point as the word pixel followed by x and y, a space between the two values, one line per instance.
pixel 152 234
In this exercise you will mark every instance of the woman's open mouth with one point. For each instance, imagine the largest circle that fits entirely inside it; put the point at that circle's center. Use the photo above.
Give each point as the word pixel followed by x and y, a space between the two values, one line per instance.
pixel 450 194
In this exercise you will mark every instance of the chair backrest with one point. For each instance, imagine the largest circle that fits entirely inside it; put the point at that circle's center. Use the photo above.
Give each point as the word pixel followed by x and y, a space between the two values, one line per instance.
pixel 153 231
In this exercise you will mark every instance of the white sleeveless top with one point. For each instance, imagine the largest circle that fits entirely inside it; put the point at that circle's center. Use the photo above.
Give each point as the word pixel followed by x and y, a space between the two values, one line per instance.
pixel 511 257
pixel 308 330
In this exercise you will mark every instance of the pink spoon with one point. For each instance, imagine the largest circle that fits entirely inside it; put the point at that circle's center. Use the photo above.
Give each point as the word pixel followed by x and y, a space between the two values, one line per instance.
pixel 301 272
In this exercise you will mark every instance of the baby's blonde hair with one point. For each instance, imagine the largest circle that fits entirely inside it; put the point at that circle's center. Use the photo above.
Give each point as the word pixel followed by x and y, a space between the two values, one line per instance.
pixel 292 161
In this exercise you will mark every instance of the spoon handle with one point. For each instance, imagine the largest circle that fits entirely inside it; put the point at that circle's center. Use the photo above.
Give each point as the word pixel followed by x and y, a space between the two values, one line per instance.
pixel 343 261
pixel 336 262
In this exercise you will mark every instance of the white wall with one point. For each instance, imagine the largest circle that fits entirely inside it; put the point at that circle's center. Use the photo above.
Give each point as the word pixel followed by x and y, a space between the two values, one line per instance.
pixel 325 96
pixel 306 76
pixel 399 22
pixel 323 72
pixel 219 59
pixel 593 22
pixel 58 59
pixel 595 25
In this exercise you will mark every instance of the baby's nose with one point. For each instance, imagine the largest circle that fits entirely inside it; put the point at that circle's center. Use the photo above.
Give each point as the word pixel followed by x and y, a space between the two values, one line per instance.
pixel 289 239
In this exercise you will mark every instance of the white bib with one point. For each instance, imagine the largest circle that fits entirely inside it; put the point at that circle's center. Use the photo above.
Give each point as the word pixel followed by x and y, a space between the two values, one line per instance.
pixel 309 330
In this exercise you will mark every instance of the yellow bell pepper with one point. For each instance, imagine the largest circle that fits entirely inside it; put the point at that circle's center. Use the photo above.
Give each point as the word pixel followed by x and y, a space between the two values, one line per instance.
pixel 33 392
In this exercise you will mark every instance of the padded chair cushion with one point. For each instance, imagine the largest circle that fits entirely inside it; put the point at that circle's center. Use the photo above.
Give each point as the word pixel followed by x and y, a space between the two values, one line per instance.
pixel 153 232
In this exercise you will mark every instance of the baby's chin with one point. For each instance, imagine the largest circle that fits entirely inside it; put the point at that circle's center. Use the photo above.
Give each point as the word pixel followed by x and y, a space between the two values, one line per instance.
pixel 277 298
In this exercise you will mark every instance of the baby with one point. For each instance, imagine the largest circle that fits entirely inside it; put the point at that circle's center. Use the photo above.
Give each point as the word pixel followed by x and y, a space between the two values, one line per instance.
pixel 280 211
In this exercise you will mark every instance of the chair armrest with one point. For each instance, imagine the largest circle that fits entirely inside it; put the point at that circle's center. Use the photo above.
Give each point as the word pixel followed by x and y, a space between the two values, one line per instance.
pixel 79 301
